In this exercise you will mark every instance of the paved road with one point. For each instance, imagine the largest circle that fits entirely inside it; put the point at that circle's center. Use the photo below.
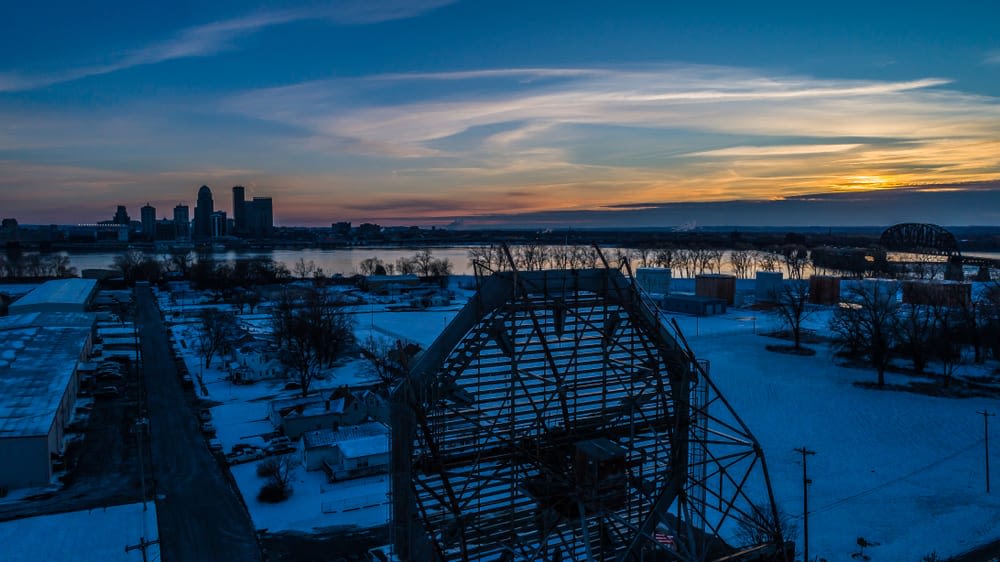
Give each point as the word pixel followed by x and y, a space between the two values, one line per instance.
pixel 201 517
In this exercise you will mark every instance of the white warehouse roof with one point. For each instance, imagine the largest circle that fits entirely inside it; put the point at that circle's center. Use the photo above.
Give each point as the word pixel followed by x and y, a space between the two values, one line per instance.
pixel 38 357
pixel 72 293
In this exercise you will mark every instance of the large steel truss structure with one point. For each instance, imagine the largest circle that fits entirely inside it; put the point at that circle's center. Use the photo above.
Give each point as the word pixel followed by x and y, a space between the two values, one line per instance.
pixel 558 418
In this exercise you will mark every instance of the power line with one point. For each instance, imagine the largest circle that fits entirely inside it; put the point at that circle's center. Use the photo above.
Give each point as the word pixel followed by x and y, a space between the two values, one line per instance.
pixel 805 501
pixel 886 484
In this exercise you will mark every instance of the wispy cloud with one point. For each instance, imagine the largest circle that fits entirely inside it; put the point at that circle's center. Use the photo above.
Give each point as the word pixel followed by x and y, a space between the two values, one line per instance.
pixel 550 130
pixel 785 150
pixel 215 37
pixel 992 57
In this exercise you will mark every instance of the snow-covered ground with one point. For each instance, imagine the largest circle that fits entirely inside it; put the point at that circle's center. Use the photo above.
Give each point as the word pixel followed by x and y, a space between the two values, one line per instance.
pixel 897 468
pixel 241 417
pixel 97 535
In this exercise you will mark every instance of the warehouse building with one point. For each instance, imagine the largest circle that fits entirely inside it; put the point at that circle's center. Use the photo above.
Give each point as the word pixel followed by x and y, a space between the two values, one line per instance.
pixel 38 385
pixel 60 295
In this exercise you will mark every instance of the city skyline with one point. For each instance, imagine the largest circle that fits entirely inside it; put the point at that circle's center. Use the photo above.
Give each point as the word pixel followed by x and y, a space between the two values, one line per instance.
pixel 507 114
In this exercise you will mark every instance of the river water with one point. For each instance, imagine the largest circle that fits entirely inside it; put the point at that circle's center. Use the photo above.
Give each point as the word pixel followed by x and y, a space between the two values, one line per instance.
pixel 342 260
pixel 346 261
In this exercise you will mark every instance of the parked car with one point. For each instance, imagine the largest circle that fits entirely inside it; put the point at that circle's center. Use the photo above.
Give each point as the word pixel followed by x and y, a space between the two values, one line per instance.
pixel 215 445
pixel 110 376
pixel 279 446
pixel 205 415
pixel 187 381
pixel 243 452
pixel 208 428
pixel 109 391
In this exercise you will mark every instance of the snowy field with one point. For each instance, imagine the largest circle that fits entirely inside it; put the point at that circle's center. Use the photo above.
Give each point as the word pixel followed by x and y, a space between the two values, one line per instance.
pixel 897 468
pixel 97 535
pixel 900 469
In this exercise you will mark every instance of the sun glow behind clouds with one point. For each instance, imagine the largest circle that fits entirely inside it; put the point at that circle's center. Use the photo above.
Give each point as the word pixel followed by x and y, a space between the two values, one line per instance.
pixel 434 146
pixel 680 133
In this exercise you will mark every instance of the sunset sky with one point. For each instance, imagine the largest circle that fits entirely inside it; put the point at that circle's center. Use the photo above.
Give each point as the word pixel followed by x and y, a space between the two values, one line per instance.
pixel 481 112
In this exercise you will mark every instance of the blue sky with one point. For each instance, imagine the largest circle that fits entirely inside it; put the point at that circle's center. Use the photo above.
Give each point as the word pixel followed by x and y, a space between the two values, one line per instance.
pixel 483 112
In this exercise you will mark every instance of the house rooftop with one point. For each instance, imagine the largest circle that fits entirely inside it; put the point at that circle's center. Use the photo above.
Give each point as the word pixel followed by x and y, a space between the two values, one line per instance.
pixel 38 357
pixel 331 437
pixel 364 446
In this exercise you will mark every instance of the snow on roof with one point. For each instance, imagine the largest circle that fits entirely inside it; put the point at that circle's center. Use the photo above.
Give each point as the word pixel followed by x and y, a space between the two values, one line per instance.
pixel 317 408
pixel 330 437
pixel 364 446
pixel 41 351
pixel 71 291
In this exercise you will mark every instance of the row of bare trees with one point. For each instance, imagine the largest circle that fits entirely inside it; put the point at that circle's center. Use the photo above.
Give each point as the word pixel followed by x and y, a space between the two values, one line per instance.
pixel 15 265
pixel 688 262
pixel 875 327
pixel 422 264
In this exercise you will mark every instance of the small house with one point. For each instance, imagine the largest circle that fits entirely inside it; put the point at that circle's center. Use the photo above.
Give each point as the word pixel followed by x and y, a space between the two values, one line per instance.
pixel 349 452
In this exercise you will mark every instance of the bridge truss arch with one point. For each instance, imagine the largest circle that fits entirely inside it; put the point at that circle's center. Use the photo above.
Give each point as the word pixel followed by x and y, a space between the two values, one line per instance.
pixel 920 238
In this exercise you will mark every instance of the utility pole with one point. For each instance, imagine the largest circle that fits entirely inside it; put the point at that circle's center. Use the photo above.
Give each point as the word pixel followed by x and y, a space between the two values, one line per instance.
pixel 986 440
pixel 805 501
pixel 142 545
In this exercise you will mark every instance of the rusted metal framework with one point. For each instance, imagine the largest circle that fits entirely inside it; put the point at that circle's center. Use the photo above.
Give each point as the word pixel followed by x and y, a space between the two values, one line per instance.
pixel 558 418
pixel 920 238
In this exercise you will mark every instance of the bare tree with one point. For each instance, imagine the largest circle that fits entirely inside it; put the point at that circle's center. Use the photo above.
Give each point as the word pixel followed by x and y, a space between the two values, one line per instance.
pixel 767 260
pixel 715 257
pixel 758 525
pixel 531 256
pixel 792 306
pixel 686 262
pixel 216 331
pixel 742 262
pixel 406 266
pixel 371 266
pixel 303 268
pixel 491 257
pixel 866 324
pixel 312 334
pixel 796 259
pixel 278 471
pixel 916 330
pixel 946 344
pixel 665 256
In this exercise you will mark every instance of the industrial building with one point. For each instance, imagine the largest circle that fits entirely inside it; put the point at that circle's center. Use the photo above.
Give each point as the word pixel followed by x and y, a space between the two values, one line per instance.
pixel 60 295
pixel 38 385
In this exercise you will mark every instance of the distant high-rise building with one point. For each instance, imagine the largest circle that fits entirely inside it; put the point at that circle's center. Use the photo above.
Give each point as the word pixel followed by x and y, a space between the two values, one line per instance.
pixel 239 213
pixel 182 223
pixel 259 217
pixel 203 213
pixel 148 216
pixel 121 216
pixel 219 224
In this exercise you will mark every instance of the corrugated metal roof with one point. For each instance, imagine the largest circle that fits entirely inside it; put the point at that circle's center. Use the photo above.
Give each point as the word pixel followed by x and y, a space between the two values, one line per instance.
pixel 39 357
pixel 60 291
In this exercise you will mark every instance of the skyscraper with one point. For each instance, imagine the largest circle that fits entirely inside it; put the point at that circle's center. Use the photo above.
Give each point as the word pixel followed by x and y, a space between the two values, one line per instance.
pixel 148 216
pixel 203 213
pixel 182 223
pixel 239 213
pixel 121 216
pixel 259 217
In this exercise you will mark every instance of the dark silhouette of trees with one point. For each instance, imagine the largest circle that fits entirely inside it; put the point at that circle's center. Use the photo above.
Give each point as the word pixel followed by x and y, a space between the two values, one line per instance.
pixel 866 325
pixel 311 333
pixel 217 330
pixel 916 331
pixel 792 306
